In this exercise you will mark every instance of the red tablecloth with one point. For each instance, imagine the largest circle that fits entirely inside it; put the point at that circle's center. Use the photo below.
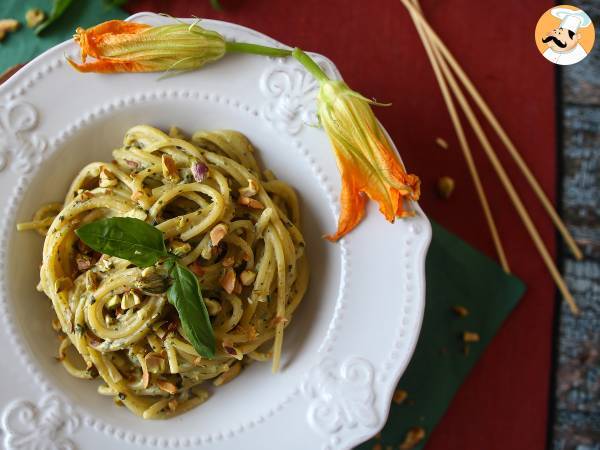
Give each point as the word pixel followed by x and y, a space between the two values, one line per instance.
pixel 504 403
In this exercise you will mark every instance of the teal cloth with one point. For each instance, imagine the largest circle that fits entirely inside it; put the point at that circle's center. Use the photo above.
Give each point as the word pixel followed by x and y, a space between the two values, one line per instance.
pixel 24 45
pixel 456 274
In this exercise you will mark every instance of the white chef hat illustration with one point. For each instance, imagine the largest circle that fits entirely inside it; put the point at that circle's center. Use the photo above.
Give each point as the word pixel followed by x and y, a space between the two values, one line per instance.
pixel 571 19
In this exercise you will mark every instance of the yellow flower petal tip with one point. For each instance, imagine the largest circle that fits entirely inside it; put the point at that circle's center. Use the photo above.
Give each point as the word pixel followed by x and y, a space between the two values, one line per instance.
pixel 120 46
pixel 368 163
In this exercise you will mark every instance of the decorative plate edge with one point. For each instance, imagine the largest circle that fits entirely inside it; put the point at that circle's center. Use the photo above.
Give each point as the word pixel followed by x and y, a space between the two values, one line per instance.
pixel 329 65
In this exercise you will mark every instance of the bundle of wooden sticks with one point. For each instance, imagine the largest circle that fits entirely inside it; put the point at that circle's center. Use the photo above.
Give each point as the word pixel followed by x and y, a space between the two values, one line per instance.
pixel 453 83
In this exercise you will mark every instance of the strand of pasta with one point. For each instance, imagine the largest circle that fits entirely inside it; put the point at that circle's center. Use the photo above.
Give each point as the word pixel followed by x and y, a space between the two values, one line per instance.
pixel 127 350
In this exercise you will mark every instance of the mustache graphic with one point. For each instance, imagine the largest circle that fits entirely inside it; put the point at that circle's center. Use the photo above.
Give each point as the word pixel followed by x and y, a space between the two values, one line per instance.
pixel 556 41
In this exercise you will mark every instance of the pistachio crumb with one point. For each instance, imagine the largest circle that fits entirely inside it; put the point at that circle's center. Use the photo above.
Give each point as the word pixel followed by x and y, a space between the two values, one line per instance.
pixel 247 277
pixel 412 438
pixel 169 169
pixel 172 404
pixel 470 336
pixel 8 26
pixel 218 232
pixel 228 280
pixel 251 190
pixel 460 310
pixel 445 186
pixel 34 17
pixel 250 203
pixel 441 143
pixel 400 396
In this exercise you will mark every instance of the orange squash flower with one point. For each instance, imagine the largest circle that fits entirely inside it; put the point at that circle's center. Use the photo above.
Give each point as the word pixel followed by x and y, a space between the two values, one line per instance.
pixel 368 164
pixel 120 46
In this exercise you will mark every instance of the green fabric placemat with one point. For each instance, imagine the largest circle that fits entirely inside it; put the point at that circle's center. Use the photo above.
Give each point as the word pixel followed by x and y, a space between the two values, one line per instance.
pixel 456 274
pixel 24 45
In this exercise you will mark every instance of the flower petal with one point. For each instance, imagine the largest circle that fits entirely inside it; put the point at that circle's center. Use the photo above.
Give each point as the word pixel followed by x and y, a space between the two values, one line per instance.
pixel 91 39
pixel 366 158
pixel 107 66
pixel 137 47
pixel 351 200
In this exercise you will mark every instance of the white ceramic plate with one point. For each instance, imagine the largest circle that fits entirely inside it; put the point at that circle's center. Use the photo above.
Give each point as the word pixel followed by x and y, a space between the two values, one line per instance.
pixel 348 344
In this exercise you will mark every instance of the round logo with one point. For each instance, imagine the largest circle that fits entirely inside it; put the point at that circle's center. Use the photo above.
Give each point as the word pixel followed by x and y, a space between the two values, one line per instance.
pixel 564 35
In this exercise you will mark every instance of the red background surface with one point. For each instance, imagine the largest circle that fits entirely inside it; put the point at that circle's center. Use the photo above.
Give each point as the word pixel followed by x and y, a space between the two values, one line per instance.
pixel 504 402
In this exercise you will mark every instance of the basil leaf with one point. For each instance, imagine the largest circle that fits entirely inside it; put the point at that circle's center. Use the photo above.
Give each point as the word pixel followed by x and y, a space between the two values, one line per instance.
pixel 58 9
pixel 184 294
pixel 125 237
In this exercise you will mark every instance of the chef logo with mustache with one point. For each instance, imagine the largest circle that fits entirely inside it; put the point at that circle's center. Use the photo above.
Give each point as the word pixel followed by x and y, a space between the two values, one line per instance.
pixel 564 35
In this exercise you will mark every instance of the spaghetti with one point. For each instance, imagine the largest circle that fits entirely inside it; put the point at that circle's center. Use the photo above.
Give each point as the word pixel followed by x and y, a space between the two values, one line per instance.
pixel 235 226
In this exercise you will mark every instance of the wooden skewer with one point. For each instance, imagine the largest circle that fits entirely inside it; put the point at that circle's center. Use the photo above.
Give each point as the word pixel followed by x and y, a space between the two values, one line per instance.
pixel 505 180
pixel 493 121
pixel 464 146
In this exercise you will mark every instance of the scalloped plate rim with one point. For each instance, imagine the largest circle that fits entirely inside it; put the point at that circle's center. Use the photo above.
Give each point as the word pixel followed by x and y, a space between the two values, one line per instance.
pixel 399 369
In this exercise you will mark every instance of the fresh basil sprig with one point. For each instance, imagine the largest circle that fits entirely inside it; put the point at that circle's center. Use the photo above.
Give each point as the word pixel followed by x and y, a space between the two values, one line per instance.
pixel 127 238
pixel 185 295
pixel 143 245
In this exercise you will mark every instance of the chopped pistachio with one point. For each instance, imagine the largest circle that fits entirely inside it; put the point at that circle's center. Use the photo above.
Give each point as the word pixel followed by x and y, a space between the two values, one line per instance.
pixel 247 277
pixel 251 190
pixel 228 280
pixel 8 26
pixel 442 143
pixel 199 171
pixel 445 187
pixel 83 262
pixel 279 319
pixel 213 306
pixel 129 300
pixel 399 396
pixel 105 263
pixel 250 203
pixel 179 248
pixel 91 280
pixel 113 301
pixel 228 262
pixel 172 405
pixel 153 281
pixel 460 310
pixel 218 232
pixel 107 178
pixel 169 169
pixel 137 213
pixel 34 17
pixel 232 351
pixel 206 252
pixel 167 386
pixel 412 438
pixel 470 336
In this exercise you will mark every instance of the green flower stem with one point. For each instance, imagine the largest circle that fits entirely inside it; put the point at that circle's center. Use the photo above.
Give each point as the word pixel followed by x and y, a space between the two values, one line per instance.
pixel 310 65
pixel 255 49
